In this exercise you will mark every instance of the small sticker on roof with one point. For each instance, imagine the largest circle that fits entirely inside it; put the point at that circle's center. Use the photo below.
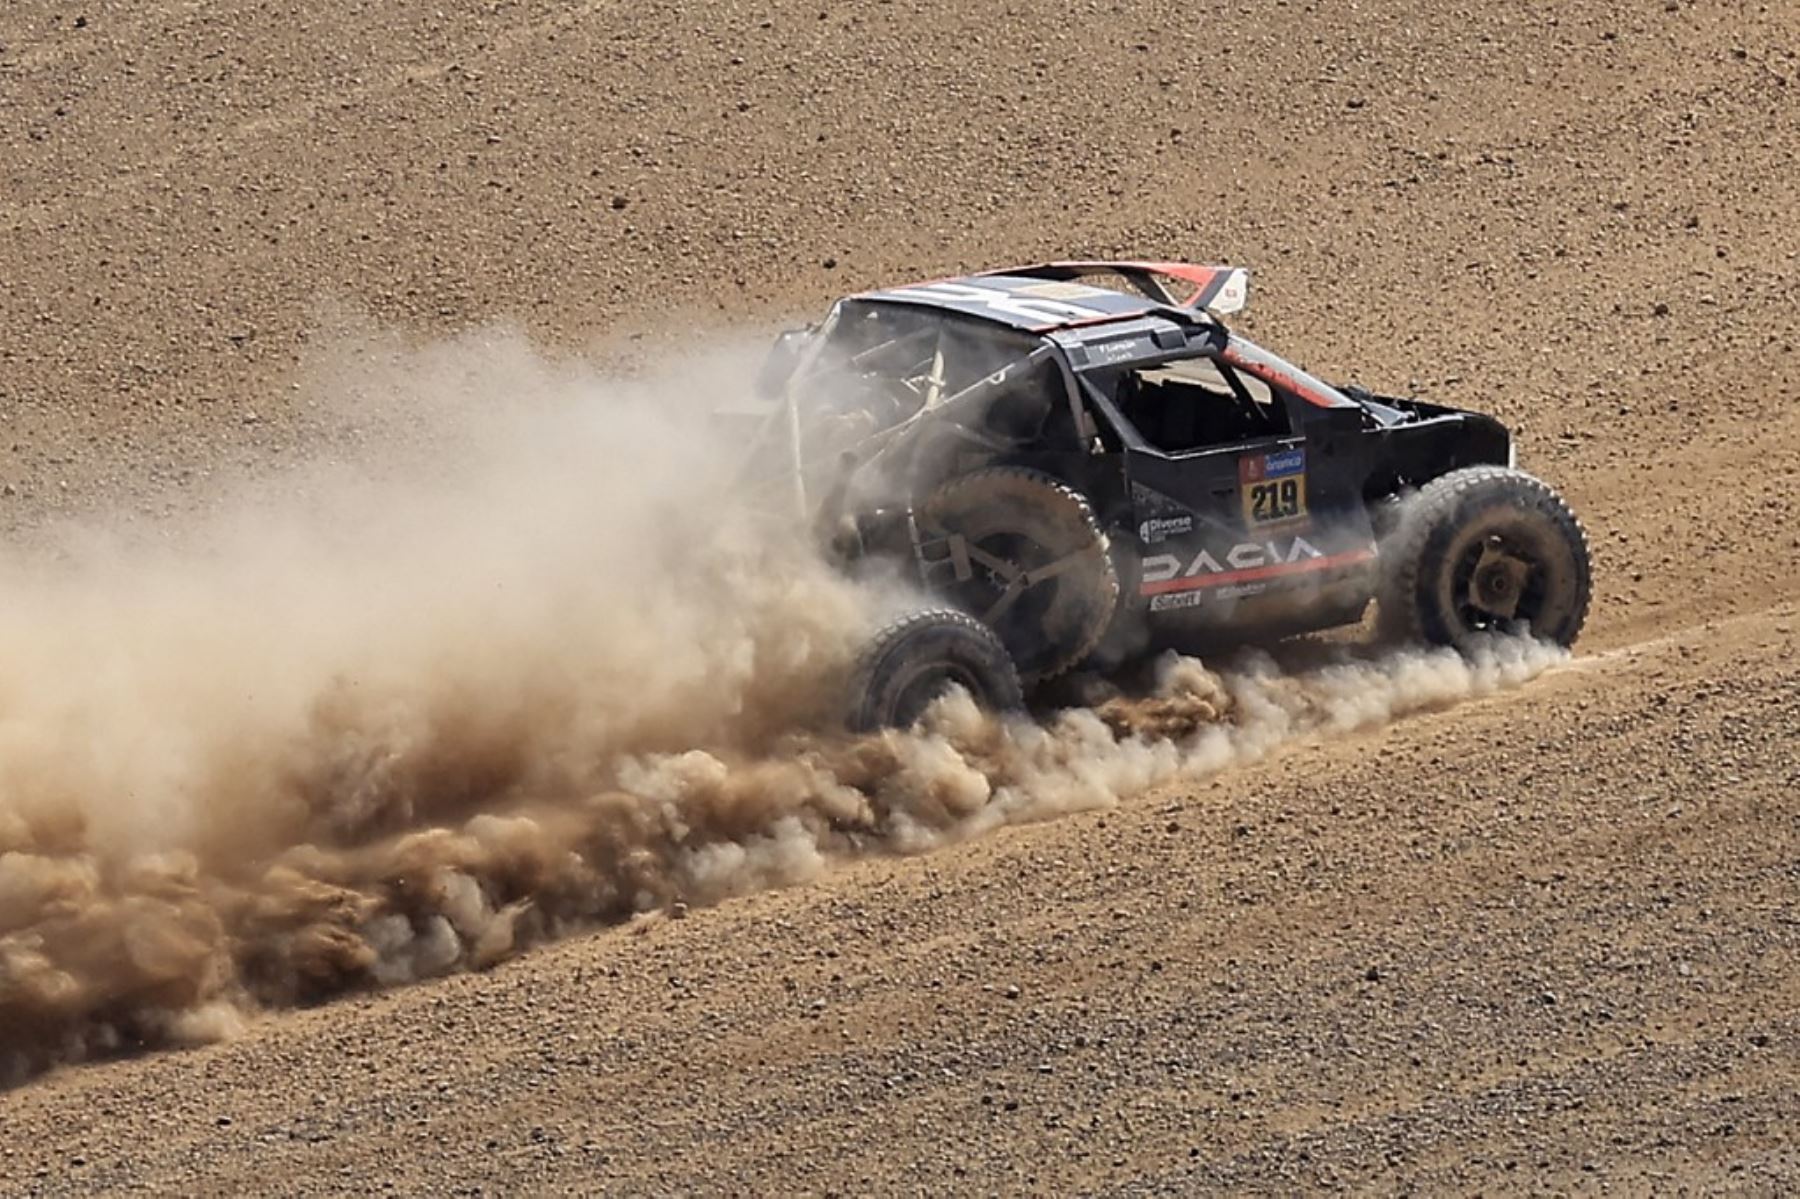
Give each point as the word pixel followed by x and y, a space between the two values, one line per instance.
pixel 1102 352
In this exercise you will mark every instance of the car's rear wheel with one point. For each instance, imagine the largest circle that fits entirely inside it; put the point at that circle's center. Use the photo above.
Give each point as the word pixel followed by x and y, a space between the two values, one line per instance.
pixel 1037 568
pixel 917 659
pixel 1483 551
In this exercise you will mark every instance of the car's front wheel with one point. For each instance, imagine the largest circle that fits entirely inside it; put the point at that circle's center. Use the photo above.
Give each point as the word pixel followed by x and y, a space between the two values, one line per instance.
pixel 1482 551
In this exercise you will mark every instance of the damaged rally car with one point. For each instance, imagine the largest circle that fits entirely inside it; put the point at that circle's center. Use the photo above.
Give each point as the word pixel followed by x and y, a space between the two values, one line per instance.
pixel 1080 462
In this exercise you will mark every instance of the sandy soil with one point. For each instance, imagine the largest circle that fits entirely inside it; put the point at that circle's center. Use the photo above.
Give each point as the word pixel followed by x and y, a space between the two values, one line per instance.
pixel 1546 941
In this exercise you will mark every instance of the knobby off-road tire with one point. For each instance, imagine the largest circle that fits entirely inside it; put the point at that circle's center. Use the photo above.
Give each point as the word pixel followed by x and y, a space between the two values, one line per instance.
pixel 1481 551
pixel 918 658
pixel 1042 578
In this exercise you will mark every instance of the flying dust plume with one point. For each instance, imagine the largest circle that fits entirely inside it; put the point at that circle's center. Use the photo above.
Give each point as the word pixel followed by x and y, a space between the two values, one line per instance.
pixel 514 658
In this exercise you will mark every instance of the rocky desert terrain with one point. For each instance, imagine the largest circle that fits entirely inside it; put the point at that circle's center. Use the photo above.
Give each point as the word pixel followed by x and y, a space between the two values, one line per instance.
pixel 1544 939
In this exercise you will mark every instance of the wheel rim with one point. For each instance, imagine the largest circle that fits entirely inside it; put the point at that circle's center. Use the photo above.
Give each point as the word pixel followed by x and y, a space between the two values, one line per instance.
pixel 1032 562
pixel 1500 585
pixel 1005 599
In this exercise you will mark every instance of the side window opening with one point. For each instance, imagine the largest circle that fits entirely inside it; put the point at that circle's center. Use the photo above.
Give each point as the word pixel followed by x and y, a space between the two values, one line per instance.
pixel 1035 410
pixel 1199 403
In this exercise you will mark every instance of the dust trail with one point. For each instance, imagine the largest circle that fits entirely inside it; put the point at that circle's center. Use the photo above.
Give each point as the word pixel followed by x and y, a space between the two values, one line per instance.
pixel 515 659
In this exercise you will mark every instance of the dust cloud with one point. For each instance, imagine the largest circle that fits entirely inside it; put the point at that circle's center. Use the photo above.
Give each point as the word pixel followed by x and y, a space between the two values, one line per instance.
pixel 514 656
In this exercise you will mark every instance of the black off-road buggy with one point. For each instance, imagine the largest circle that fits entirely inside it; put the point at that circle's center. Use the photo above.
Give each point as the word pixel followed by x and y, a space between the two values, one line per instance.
pixel 1080 462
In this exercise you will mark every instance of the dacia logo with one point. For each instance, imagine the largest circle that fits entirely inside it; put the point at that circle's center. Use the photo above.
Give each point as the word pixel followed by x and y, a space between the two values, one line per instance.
pixel 1248 555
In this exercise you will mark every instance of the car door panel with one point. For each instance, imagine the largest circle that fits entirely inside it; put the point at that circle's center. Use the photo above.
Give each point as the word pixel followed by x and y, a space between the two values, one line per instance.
pixel 1228 532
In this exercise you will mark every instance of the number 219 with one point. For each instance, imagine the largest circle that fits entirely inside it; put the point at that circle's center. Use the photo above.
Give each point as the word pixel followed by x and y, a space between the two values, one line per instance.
pixel 1278 499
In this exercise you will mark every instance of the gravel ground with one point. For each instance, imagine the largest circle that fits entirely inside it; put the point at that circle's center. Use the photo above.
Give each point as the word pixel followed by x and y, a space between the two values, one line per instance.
pixel 1542 942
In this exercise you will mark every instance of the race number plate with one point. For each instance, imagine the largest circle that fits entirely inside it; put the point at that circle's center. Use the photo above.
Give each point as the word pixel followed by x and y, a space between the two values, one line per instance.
pixel 1273 487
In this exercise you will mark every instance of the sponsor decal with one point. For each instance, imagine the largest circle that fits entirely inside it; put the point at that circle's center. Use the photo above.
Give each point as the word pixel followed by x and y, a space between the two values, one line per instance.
pixel 1233 293
pixel 1248 555
pixel 1254 468
pixel 1171 601
pixel 1286 462
pixel 1158 527
pixel 1273 486
pixel 1247 562
pixel 1177 599
pixel 1115 351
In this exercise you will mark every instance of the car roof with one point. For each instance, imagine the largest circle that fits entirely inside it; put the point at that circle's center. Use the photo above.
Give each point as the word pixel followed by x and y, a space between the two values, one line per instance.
pixel 1051 295
pixel 1103 328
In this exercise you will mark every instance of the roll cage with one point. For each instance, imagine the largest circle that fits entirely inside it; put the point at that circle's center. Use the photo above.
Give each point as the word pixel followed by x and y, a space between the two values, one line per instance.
pixel 861 390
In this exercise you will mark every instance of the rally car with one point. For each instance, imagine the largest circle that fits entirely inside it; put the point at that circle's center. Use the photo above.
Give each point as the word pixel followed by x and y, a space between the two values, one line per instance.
pixel 1078 462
